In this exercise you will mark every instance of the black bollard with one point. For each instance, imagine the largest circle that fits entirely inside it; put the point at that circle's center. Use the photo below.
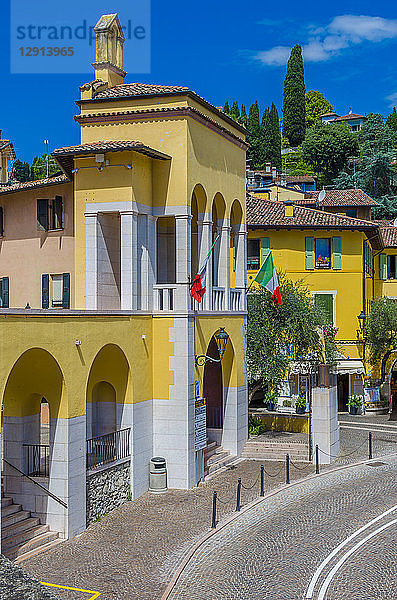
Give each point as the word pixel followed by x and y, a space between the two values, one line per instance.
pixel 262 480
pixel 370 444
pixel 214 511
pixel 317 461
pixel 238 494
pixel 287 468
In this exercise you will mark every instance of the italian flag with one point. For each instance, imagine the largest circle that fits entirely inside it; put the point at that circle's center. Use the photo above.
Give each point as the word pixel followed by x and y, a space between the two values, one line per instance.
pixel 200 281
pixel 267 278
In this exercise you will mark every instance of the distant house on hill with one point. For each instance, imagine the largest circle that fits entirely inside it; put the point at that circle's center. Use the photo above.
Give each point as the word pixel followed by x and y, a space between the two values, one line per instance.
pixel 259 179
pixel 353 120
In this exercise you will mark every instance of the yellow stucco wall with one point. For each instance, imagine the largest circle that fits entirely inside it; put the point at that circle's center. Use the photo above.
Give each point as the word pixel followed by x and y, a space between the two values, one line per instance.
pixel 288 247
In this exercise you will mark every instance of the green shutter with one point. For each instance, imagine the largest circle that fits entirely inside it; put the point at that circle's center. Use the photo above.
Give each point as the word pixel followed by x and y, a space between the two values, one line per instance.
pixel 45 291
pixel 5 300
pixel 325 304
pixel 1 221
pixel 382 266
pixel 264 251
pixel 66 290
pixel 336 253
pixel 309 253
pixel 42 214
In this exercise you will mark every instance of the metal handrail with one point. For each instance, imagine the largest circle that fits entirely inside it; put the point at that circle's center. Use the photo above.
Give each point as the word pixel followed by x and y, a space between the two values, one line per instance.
pixel 108 448
pixel 38 484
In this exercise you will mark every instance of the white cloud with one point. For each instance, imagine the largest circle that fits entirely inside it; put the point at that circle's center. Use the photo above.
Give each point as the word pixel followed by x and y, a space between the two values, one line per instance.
pixel 393 99
pixel 327 41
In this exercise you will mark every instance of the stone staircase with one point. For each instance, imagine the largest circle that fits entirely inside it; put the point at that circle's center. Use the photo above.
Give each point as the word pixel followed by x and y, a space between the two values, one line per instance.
pixel 22 535
pixel 215 457
pixel 261 449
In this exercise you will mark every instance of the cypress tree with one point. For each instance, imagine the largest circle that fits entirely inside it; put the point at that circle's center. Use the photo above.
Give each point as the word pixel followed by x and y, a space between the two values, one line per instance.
pixel 391 120
pixel 254 129
pixel 294 98
pixel 235 111
pixel 275 137
pixel 264 139
pixel 226 108
pixel 243 116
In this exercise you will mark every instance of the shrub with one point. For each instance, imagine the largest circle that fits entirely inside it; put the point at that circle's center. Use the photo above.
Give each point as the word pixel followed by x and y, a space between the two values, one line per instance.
pixel 355 401
pixel 255 426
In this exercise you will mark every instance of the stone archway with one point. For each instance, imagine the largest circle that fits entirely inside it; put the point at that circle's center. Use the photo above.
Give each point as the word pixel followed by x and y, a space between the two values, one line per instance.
pixel 213 390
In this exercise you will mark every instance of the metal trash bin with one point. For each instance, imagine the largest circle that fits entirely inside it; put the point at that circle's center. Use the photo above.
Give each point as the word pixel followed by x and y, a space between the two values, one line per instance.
pixel 158 474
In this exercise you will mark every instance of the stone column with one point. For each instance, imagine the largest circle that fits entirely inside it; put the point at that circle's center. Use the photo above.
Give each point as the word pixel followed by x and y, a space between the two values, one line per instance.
pixel 91 260
pixel 152 258
pixel 325 426
pixel 224 263
pixel 183 260
pixel 205 228
pixel 129 248
pixel 240 279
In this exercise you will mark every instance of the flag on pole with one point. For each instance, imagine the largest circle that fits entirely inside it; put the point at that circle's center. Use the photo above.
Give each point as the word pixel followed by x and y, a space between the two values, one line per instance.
pixel 267 278
pixel 200 281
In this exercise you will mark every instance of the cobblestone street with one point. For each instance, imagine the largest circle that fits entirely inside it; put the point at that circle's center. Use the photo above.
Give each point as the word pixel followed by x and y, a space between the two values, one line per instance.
pixel 133 552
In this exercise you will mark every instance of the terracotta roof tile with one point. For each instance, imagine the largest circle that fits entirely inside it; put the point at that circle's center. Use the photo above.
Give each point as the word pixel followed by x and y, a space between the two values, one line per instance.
pixel 353 197
pixel 269 213
pixel 38 183
pixel 350 116
pixel 389 236
pixel 126 90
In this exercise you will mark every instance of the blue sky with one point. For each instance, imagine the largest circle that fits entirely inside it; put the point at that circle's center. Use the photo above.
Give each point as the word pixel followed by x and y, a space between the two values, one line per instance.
pixel 224 50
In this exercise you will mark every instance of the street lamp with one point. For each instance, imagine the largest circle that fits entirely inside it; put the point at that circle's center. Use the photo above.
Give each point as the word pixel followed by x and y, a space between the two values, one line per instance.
pixel 361 321
pixel 221 339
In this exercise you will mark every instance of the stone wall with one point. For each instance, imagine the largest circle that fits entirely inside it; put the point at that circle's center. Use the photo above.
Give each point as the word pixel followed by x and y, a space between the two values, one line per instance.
pixel 107 488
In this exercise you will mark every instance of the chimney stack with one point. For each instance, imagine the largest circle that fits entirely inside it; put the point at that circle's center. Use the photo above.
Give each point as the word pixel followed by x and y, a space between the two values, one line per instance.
pixel 288 209
pixel 268 167
pixel 108 63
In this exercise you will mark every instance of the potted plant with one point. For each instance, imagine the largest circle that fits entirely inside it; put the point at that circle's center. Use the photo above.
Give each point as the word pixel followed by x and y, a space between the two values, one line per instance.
pixel 300 405
pixel 270 401
pixel 355 403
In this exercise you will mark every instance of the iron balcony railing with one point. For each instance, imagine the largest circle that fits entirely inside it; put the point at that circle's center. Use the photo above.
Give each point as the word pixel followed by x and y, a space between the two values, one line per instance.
pixel 108 448
pixel 37 460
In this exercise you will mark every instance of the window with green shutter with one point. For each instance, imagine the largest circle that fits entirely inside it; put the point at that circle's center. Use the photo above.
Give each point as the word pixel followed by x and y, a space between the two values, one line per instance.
pixel 66 290
pixel 336 253
pixel 265 249
pixel 4 292
pixel 325 303
pixel 382 267
pixel 45 291
pixel 309 253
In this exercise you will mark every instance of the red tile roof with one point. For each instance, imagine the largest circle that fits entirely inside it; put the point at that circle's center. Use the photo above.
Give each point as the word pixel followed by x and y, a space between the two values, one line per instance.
pixel 64 156
pixel 38 183
pixel 389 236
pixel 351 197
pixel 271 214
pixel 350 116
pixel 126 90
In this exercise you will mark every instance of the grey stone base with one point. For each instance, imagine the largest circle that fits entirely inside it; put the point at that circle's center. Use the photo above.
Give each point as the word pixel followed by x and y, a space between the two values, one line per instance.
pixel 107 488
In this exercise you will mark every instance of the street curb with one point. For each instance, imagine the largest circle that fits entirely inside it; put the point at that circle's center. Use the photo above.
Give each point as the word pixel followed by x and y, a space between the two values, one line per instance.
pixel 252 504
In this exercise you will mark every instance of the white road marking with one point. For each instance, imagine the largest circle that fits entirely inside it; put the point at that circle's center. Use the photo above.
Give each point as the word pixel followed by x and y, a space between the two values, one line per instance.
pixel 366 429
pixel 320 568
pixel 367 423
pixel 331 574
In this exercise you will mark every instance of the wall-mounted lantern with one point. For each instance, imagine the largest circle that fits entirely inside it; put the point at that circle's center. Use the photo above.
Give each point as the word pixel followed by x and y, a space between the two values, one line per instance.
pixel 221 338
pixel 361 320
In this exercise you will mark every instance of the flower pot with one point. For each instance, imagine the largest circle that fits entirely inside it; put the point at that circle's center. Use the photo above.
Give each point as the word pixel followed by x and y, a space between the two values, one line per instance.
pixel 271 406
pixel 300 410
pixel 353 410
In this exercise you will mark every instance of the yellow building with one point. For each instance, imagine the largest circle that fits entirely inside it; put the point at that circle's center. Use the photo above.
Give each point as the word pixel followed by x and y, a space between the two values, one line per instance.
pixel 111 340
pixel 334 255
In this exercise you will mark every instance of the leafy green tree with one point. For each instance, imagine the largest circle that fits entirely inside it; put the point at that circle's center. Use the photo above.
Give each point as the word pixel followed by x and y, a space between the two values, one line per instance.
pixel 381 331
pixel 344 181
pixel 235 111
pixel 376 175
pixel 316 104
pixel 253 137
pixel 386 209
pixel 294 98
pixel 21 171
pixel 391 120
pixel 226 108
pixel 39 167
pixel 243 116
pixel 376 136
pixel 327 148
pixel 271 328
pixel 294 164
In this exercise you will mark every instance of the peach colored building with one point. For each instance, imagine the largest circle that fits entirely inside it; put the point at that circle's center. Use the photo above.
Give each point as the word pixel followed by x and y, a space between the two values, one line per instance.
pixel 37 244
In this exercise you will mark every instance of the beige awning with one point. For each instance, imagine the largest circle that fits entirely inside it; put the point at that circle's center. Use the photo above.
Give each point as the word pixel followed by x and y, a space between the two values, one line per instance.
pixel 352 366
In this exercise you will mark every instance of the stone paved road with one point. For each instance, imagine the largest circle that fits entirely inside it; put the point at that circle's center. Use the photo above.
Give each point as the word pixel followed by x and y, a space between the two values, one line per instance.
pixel 132 552
pixel 271 552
